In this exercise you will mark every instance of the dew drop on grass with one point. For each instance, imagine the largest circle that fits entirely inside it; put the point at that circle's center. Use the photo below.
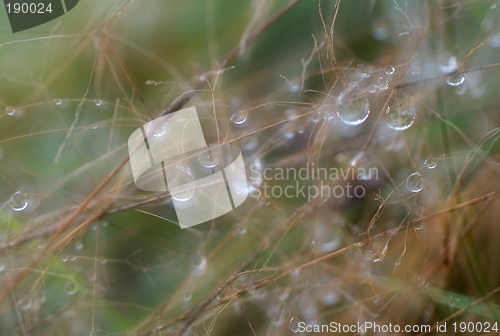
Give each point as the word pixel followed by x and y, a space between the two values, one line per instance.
pixel 78 245
pixel 455 79
pixel 294 324
pixel 198 263
pixel 353 107
pixel 389 70
pixel 98 102
pixel 70 288
pixel 400 113
pixel 178 177
pixel 372 89
pixel 415 70
pixel 430 163
pixel 18 201
pixel 382 85
pixel 64 258
pixel 238 118
pixel 94 126
pixel 209 159
pixel 11 110
pixel 72 258
pixel 415 182
pixel 186 296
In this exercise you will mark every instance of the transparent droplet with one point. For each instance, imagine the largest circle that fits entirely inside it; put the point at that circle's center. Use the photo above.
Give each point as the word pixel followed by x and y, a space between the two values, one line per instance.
pixel 2 267
pixel 389 70
pixel 72 258
pixel 294 88
pixel 401 112
pixel 98 102
pixel 186 295
pixel 377 249
pixel 18 201
pixel 455 79
pixel 58 101
pixel 11 110
pixel 178 177
pixel 382 84
pixel 94 126
pixel 249 143
pixel 353 107
pixel 448 65
pixel 291 114
pixel 415 182
pixel 198 263
pixel 380 30
pixel 415 70
pixel 241 228
pixel 70 288
pixel 372 89
pixel 430 163
pixel 294 324
pixel 238 118
pixel 209 158
pixel 64 257
pixel 150 82
pixel 78 245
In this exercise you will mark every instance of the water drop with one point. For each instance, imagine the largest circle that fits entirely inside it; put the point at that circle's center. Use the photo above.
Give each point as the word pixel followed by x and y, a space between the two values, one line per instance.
pixel 58 101
pixel 415 182
pixel 294 324
pixel 11 110
pixel 72 258
pixel 448 65
pixel 241 228
pixel 94 126
pixel 455 79
pixel 372 89
pixel 70 288
pixel 78 245
pixel 382 85
pixel 209 158
pixel 430 163
pixel 401 112
pixel 249 143
pixel 291 114
pixel 389 70
pixel 415 70
pixel 2 267
pixel 150 82
pixel 353 106
pixel 98 102
pixel 18 201
pixel 186 296
pixel 238 118
pixel 294 88
pixel 181 177
pixel 198 263
pixel 64 258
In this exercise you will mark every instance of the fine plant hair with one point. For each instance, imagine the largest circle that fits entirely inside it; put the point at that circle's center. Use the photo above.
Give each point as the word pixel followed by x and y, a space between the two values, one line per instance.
pixel 406 91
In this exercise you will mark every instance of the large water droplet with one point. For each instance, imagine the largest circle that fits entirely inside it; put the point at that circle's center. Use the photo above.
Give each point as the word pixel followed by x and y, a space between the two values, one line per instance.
pixel 209 158
pixel 389 70
pixel 294 324
pixel 198 263
pixel 455 79
pixel 98 102
pixel 401 112
pixel 353 107
pixel 430 163
pixel 238 118
pixel 415 182
pixel 11 110
pixel 58 101
pixel 70 288
pixel 18 201
pixel 178 177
